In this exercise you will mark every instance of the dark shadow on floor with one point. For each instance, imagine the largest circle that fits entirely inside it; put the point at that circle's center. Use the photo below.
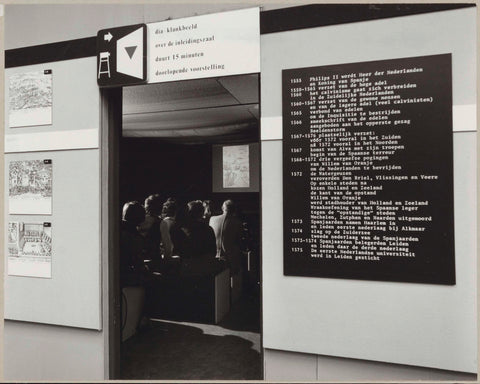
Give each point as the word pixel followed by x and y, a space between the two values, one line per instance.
pixel 173 351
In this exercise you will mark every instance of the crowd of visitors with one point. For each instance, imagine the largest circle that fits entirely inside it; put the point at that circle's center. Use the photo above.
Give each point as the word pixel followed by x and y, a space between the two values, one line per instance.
pixel 167 238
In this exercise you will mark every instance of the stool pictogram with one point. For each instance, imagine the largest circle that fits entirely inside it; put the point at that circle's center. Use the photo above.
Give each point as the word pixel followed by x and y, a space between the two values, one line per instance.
pixel 105 60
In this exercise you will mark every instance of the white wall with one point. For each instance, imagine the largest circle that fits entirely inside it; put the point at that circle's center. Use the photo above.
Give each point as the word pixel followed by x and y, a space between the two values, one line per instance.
pixel 413 324
pixel 295 366
pixel 39 352
pixel 72 297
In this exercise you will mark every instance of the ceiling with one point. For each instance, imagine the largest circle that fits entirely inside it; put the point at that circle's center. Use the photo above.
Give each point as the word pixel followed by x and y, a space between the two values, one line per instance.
pixel 216 110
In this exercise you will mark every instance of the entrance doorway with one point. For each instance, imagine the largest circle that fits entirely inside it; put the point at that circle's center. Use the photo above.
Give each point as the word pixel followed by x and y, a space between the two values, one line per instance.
pixel 194 314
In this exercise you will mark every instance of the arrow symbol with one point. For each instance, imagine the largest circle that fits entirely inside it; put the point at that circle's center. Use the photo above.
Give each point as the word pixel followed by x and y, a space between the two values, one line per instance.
pixel 108 36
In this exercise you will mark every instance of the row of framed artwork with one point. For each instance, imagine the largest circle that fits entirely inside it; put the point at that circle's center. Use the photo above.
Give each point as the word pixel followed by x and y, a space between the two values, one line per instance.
pixel 30 100
pixel 30 243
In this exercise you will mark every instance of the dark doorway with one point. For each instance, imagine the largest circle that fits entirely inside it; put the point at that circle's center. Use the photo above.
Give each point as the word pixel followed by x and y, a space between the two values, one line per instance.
pixel 195 140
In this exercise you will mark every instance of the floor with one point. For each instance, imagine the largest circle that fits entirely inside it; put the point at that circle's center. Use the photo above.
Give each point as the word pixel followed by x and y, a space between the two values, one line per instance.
pixel 172 350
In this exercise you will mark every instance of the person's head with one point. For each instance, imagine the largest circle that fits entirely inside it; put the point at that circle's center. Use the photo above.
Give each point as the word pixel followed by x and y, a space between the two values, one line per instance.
pixel 169 208
pixel 153 205
pixel 195 210
pixel 133 212
pixel 228 207
pixel 207 208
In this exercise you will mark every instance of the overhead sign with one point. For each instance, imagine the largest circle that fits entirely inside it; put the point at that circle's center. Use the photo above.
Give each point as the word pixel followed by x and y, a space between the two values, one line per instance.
pixel 219 44
pixel 122 56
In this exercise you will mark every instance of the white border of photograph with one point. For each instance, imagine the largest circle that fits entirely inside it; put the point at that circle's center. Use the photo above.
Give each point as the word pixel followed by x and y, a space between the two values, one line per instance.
pixel 30 99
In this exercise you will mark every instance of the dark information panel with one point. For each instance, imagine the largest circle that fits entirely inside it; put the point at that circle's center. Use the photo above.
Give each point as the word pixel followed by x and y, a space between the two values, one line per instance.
pixel 368 171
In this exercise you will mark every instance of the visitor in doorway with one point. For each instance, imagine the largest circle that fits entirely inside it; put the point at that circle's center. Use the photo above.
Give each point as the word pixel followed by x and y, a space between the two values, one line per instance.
pixel 170 231
pixel 150 227
pixel 133 249
pixel 207 210
pixel 164 207
pixel 199 247
pixel 228 233
pixel 199 236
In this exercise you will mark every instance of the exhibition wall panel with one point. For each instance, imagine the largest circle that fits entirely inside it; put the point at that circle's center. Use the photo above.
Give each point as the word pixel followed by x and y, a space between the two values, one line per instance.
pixel 36 352
pixel 74 107
pixel 71 296
pixel 67 291
pixel 404 323
pixel 283 365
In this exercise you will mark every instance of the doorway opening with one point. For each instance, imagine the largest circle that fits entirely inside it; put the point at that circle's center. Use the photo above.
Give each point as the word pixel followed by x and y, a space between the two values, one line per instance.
pixel 190 155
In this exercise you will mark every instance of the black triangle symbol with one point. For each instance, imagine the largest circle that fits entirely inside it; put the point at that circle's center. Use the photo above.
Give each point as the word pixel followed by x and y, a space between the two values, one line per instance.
pixel 131 50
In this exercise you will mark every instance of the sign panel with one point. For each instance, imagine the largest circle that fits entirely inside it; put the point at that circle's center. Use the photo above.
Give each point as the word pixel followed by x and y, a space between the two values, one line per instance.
pixel 122 56
pixel 220 44
pixel 368 171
